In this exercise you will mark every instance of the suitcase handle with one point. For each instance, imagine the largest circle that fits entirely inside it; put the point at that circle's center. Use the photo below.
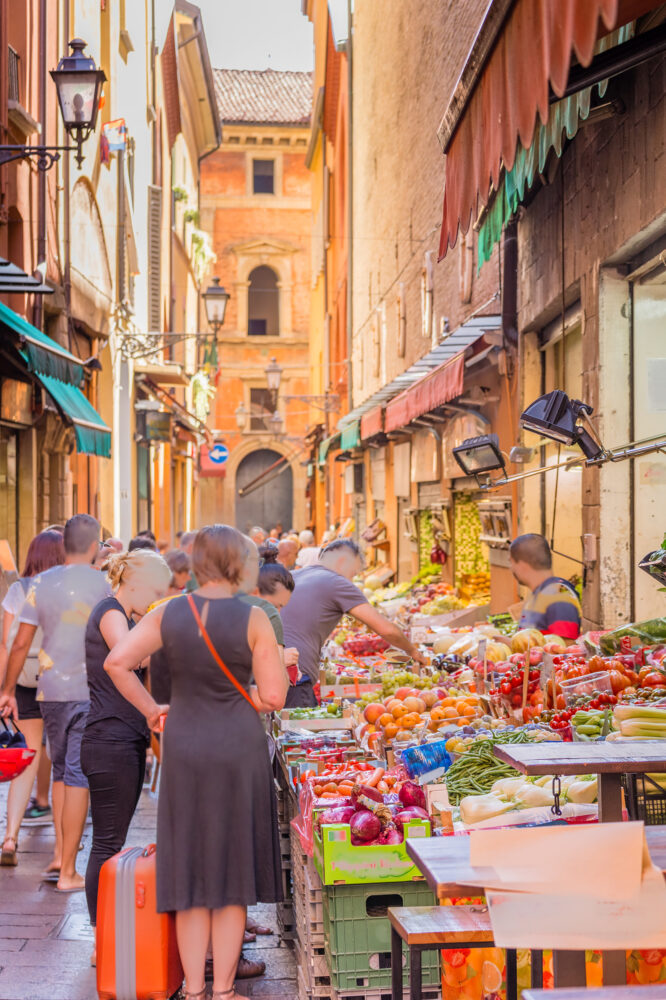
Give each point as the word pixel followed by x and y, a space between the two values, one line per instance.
pixel 149 851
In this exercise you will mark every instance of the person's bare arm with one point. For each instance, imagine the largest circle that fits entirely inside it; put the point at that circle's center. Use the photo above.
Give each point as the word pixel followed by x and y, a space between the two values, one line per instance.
pixel 387 630
pixel 17 657
pixel 122 661
pixel 7 620
pixel 270 677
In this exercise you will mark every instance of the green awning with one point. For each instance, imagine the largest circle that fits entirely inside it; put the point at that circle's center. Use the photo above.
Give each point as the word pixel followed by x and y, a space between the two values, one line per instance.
pixel 564 120
pixel 351 436
pixel 93 436
pixel 42 355
pixel 326 445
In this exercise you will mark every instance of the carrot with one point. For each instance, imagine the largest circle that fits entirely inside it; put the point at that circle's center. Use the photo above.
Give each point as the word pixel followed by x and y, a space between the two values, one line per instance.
pixel 329 795
pixel 375 777
pixel 318 789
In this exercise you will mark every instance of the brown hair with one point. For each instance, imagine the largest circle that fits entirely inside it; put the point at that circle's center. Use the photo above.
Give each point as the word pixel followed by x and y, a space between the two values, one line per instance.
pixel 177 561
pixel 80 533
pixel 219 553
pixel 532 549
pixel 121 566
pixel 45 551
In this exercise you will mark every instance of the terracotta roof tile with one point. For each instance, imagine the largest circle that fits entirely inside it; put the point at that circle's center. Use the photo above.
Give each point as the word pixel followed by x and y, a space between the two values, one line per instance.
pixel 258 97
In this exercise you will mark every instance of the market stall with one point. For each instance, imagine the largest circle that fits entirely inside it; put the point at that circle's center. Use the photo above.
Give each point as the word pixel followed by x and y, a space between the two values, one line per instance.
pixel 396 760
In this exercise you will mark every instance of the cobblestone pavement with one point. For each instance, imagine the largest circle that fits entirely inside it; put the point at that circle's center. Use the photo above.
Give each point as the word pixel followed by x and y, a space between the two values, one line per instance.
pixel 46 940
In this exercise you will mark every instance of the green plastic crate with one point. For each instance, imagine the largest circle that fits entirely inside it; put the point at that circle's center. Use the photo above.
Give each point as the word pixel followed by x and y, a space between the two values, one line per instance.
pixel 357 934
pixel 338 861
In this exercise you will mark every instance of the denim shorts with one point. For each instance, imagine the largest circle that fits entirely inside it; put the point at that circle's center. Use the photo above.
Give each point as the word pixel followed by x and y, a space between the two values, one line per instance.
pixel 64 722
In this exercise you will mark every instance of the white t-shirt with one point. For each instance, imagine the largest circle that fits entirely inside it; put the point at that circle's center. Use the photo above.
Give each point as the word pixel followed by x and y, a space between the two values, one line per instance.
pixel 309 556
pixel 13 605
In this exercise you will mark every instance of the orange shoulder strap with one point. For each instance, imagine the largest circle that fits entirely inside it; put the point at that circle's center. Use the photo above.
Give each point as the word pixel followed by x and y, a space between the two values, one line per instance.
pixel 216 656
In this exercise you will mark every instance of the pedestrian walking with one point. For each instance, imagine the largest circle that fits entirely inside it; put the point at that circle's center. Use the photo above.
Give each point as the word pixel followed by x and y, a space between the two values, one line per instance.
pixel 113 749
pixel 322 595
pixel 60 602
pixel 45 551
pixel 308 554
pixel 213 858
pixel 287 553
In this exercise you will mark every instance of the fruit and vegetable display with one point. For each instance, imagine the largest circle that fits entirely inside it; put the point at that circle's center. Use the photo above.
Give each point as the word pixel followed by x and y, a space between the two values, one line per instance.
pixel 471 553
pixel 330 711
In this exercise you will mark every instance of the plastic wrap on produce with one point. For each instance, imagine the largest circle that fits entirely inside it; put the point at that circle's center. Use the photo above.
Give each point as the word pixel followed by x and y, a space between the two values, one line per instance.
pixel 427 757
pixel 538 816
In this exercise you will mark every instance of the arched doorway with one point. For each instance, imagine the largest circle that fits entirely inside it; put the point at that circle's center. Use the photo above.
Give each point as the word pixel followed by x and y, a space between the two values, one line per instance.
pixel 271 502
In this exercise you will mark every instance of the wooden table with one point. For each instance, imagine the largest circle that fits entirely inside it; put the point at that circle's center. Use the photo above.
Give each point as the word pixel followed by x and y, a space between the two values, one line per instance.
pixel 609 760
pixel 444 861
pixel 602 993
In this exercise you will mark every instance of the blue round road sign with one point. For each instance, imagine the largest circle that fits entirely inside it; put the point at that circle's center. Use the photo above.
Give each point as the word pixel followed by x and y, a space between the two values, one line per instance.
pixel 218 454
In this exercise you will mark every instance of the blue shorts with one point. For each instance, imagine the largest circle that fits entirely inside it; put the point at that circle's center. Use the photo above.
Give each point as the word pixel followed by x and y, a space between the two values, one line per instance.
pixel 64 722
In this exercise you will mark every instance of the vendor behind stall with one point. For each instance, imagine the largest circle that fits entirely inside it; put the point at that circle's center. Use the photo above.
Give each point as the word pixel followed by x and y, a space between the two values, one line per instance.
pixel 553 606
pixel 322 595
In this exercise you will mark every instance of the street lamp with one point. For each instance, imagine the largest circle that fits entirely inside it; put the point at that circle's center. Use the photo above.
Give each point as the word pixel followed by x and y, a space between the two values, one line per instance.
pixel 215 298
pixel 275 423
pixel 273 376
pixel 79 86
pixel 241 417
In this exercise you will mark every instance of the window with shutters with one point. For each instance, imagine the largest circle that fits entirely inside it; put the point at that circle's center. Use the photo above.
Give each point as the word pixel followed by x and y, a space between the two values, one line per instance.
pixel 154 256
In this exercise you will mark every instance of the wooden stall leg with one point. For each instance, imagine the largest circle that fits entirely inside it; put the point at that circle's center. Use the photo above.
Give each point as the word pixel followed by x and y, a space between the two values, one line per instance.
pixel 569 968
pixel 610 798
pixel 396 965
pixel 615 968
pixel 414 973
pixel 536 972
pixel 511 974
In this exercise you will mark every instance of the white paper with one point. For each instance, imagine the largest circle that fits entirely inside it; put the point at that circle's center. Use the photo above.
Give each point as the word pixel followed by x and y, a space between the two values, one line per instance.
pixel 541 921
pixel 599 860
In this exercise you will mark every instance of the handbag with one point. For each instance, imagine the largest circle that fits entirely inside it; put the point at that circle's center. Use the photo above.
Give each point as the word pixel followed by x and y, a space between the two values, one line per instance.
pixel 216 656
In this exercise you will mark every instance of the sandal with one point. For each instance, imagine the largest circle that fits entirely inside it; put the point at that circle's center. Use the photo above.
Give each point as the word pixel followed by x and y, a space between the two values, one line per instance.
pixel 195 996
pixel 219 994
pixel 8 858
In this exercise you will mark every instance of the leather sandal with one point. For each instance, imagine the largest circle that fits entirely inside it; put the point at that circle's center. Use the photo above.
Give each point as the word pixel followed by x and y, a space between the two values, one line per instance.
pixel 220 994
pixel 248 969
pixel 8 857
pixel 195 996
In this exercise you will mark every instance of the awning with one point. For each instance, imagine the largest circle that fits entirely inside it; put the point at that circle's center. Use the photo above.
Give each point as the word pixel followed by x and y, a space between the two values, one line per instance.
pixel 93 436
pixel 42 355
pixel 453 343
pixel 350 437
pixel 330 442
pixel 445 383
pixel 499 96
pixel 372 423
pixel 189 420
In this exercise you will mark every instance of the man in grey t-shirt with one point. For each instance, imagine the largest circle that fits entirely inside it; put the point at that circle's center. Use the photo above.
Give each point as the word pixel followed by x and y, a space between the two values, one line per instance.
pixel 322 595
pixel 59 602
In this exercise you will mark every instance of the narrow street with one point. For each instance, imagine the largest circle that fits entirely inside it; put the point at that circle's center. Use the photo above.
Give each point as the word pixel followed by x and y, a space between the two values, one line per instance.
pixel 46 940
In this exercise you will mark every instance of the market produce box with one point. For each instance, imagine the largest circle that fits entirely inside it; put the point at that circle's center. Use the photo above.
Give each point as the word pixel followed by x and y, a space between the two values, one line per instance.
pixel 348 690
pixel 315 725
pixel 357 934
pixel 339 862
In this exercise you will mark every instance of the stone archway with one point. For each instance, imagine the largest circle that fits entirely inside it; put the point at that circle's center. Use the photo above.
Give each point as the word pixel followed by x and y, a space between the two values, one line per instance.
pixel 272 502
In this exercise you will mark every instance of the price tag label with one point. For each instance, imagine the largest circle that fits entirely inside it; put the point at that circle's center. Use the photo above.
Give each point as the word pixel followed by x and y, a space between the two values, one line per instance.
pixel 419 634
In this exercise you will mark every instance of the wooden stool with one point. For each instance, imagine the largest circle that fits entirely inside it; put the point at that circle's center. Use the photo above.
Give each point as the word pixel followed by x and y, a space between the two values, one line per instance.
pixel 429 928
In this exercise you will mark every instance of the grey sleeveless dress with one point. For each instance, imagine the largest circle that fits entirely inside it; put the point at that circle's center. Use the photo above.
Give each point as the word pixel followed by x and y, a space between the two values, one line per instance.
pixel 217 841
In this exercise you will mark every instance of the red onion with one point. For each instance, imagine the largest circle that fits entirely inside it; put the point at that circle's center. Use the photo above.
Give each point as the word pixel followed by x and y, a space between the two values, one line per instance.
pixel 392 836
pixel 406 815
pixel 365 826
pixel 412 794
pixel 338 814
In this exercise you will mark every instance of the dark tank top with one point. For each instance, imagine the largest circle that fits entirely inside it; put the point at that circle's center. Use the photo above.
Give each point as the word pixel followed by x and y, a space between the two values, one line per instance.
pixel 111 717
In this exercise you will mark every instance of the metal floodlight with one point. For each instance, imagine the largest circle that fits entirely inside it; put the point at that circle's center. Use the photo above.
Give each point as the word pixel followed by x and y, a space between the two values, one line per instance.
pixel 478 455
pixel 273 375
pixel 215 299
pixel 555 416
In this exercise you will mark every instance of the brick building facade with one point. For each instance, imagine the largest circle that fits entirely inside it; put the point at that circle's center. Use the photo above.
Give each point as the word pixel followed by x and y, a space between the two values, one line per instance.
pixel 255 201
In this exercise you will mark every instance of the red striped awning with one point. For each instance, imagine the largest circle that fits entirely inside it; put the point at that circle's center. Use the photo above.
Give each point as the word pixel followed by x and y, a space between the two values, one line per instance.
pixel 439 386
pixel 532 53
pixel 372 423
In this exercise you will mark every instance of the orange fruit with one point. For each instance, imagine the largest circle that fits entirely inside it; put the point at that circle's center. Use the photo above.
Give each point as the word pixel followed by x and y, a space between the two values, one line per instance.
pixel 372 712
pixel 398 710
pixel 450 712
pixel 437 713
pixel 390 730
pixel 392 703
pixel 385 720
pixel 469 711
pixel 447 702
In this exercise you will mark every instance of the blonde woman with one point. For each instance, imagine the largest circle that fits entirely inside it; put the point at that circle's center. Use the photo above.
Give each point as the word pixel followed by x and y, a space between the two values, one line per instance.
pixel 113 750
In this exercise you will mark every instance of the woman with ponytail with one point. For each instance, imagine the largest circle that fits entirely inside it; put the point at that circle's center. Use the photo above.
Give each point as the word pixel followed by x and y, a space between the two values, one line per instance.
pixel 113 751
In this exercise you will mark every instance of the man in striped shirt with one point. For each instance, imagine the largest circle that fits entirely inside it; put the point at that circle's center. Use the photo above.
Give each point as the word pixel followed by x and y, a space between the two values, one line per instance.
pixel 553 606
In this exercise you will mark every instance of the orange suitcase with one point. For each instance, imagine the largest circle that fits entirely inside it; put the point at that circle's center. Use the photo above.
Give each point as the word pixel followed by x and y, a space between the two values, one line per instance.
pixel 137 953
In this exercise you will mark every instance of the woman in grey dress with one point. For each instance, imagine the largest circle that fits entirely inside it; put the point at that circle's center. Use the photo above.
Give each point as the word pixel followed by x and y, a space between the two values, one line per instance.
pixel 217 850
